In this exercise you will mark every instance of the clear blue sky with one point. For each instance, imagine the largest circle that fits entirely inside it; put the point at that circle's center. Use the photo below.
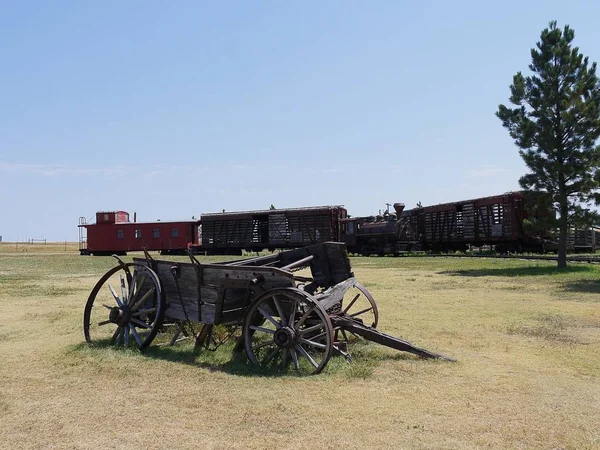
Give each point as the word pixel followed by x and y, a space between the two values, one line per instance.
pixel 171 109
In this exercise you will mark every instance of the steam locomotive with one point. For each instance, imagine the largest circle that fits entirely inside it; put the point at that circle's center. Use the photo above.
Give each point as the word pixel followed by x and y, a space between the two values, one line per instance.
pixel 384 234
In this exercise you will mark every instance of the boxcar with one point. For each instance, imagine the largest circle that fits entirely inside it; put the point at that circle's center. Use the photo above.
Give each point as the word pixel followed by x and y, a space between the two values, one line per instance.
pixel 496 220
pixel 231 232
pixel 584 239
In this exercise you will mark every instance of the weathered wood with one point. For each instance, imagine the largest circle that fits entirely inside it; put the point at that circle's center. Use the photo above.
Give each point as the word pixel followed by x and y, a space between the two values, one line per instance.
pixel 335 294
pixel 374 335
pixel 180 285
pixel 225 291
pixel 298 263
pixel 256 261
pixel 241 275
pixel 339 264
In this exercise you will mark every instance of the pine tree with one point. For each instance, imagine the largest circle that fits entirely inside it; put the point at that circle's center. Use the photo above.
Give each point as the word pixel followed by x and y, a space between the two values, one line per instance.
pixel 556 125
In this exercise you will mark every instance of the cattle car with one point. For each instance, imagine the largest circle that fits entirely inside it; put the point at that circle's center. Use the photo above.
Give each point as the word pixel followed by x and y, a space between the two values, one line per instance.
pixel 584 239
pixel 113 233
pixel 232 232
pixel 496 220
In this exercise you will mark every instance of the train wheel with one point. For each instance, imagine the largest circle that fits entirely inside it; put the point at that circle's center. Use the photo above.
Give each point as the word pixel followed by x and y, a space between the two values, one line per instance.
pixel 125 308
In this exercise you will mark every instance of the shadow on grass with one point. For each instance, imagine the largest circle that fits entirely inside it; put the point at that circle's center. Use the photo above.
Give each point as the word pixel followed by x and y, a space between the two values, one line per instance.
pixel 364 360
pixel 587 287
pixel 223 359
pixel 518 271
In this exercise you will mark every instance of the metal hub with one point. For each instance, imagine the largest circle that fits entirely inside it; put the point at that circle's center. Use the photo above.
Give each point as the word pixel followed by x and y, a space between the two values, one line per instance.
pixel 119 316
pixel 285 337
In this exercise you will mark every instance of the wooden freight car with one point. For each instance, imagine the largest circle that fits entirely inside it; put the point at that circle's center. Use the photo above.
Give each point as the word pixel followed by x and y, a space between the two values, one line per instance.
pixel 496 220
pixel 113 233
pixel 584 239
pixel 231 232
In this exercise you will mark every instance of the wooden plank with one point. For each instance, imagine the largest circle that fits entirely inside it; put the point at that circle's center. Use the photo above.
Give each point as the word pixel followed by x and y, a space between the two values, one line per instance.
pixel 218 274
pixel 335 294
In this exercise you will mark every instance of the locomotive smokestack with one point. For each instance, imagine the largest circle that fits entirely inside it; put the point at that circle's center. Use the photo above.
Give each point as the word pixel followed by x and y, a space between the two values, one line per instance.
pixel 399 207
pixel 134 216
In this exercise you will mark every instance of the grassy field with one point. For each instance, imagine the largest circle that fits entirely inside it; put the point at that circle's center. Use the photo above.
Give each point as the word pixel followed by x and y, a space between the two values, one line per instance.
pixel 526 340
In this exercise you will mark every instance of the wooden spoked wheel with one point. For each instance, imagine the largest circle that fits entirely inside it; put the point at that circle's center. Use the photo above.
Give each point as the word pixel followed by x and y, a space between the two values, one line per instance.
pixel 357 304
pixel 286 328
pixel 126 307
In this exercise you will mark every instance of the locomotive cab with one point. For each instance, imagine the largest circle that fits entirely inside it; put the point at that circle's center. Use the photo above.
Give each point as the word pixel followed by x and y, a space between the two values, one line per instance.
pixel 350 232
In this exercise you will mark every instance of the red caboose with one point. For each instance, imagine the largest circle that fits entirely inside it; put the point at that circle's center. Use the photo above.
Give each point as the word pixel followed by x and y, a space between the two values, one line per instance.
pixel 113 233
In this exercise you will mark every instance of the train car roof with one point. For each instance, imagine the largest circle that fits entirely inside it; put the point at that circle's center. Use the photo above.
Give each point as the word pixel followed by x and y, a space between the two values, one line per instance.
pixel 272 211
pixel 472 200
pixel 142 223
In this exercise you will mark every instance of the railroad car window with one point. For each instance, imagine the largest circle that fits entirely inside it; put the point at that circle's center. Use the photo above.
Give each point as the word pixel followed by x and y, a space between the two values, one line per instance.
pixel 174 232
pixel 119 234
pixel 138 233
pixel 106 217
pixel 156 232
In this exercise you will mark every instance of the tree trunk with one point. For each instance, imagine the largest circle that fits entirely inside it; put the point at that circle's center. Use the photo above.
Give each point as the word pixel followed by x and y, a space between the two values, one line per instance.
pixel 562 241
pixel 563 227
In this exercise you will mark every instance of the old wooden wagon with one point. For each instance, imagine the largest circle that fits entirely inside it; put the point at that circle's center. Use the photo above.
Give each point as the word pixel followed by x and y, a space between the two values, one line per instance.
pixel 286 319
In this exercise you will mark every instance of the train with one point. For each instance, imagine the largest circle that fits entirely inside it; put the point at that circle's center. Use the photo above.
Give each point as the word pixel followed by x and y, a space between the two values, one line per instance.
pixel 514 222
pixel 509 222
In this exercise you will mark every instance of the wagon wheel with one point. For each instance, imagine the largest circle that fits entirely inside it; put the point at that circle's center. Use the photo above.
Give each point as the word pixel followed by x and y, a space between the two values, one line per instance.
pixel 358 304
pixel 286 327
pixel 125 308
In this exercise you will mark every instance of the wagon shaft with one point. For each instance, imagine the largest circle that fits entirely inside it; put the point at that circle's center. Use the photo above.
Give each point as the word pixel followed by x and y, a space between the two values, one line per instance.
pixel 371 334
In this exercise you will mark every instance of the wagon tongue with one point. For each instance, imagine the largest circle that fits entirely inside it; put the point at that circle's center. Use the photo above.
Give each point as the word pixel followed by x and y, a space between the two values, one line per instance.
pixel 371 334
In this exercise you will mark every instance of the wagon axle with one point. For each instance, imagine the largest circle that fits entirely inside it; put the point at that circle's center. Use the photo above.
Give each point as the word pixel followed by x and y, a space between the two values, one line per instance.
pixel 285 337
pixel 119 316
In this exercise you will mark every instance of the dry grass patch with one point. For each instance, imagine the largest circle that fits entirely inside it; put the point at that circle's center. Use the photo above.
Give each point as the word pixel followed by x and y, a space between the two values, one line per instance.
pixel 560 328
pixel 526 339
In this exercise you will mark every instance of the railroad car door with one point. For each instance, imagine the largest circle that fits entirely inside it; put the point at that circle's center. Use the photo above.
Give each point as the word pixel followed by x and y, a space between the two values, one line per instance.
pixel 349 232
pixel 278 229
pixel 261 228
